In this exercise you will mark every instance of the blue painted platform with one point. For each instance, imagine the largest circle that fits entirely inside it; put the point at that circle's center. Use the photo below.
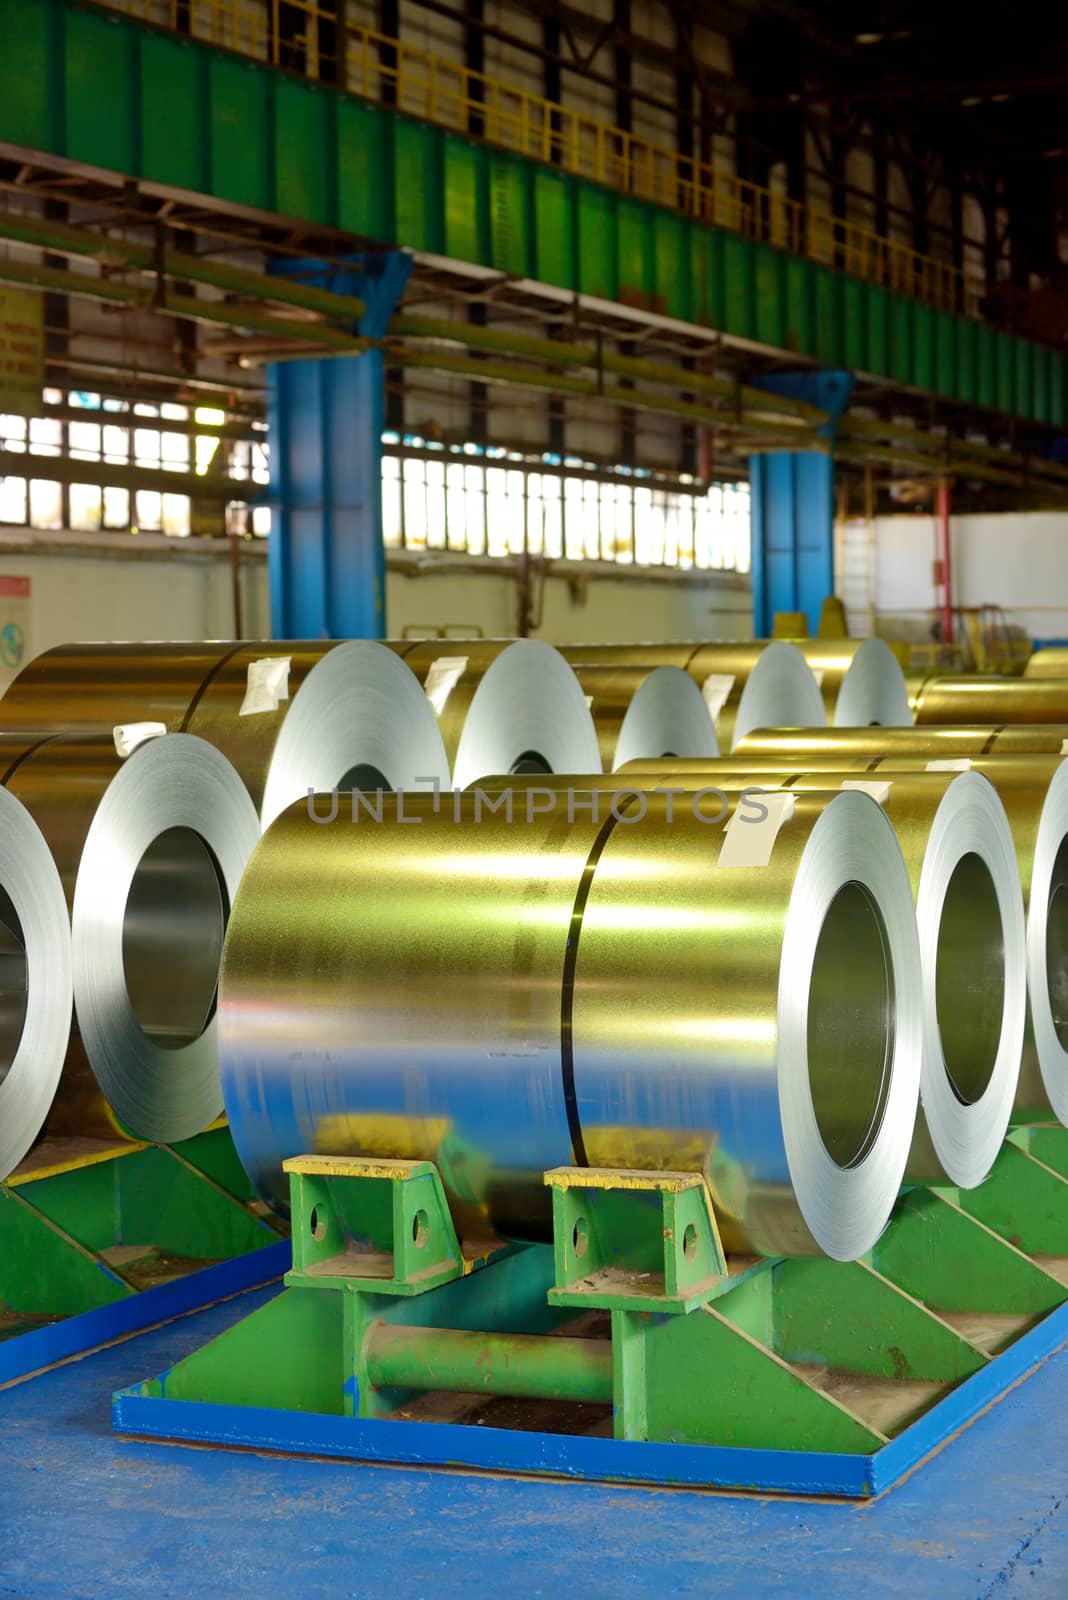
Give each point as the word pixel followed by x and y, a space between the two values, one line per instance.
pixel 85 1514
pixel 575 1456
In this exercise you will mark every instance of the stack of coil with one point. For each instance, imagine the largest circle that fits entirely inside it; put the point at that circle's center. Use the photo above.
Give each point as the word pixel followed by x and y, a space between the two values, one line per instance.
pixel 506 908
pixel 136 780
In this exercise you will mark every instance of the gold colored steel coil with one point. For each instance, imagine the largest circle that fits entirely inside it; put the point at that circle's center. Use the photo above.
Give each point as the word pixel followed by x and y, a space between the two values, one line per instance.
pixel 80 687
pixel 996 701
pixel 800 745
pixel 351 712
pixel 1051 662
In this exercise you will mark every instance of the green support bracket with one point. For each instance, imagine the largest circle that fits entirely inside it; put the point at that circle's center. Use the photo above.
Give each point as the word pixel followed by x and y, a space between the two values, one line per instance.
pixel 373 1224
pixel 947 1258
pixel 83 1229
pixel 1024 1201
pixel 393 1314
pixel 635 1241
pixel 1046 1141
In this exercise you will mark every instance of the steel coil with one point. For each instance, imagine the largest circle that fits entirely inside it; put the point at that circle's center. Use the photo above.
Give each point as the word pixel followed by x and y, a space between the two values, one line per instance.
pixel 355 717
pixel 861 681
pixel 149 853
pixel 504 705
pixel 745 683
pixel 36 987
pixel 1035 805
pixel 961 854
pixel 1051 662
pixel 520 994
pixel 654 711
pixel 998 701
pixel 335 714
pixel 799 745
pixel 77 688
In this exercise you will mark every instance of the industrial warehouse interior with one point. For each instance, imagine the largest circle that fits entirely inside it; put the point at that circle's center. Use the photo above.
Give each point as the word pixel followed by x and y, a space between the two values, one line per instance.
pixel 533 799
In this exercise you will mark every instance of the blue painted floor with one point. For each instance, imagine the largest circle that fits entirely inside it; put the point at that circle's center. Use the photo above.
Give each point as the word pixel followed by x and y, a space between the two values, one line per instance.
pixel 85 1514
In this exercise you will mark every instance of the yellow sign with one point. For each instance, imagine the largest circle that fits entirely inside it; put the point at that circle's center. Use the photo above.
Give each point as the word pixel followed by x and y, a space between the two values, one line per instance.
pixel 21 351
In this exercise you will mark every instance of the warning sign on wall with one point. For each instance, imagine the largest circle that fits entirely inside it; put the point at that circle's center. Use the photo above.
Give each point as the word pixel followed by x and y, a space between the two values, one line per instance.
pixel 21 351
pixel 14 626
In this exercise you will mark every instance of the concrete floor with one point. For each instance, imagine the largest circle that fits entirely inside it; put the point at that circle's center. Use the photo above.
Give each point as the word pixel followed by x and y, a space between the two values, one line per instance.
pixel 85 1514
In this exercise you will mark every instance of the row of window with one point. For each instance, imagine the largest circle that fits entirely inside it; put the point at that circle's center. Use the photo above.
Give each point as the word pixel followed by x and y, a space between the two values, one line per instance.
pixel 479 501
pixel 505 509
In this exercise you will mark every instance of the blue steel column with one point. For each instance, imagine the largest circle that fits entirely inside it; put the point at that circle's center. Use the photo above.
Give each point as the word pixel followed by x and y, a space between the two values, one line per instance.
pixel 792 513
pixel 325 418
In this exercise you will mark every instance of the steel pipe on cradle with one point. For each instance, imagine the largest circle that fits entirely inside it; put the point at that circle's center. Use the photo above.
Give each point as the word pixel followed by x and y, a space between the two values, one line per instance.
pixel 502 997
pixel 290 716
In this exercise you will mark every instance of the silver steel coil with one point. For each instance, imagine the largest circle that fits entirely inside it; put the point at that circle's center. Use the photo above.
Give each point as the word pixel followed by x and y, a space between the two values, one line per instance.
pixel 861 680
pixel 1035 798
pixel 36 986
pixel 149 852
pixel 654 711
pixel 504 996
pixel 745 683
pixel 504 705
pixel 158 871
pixel 961 855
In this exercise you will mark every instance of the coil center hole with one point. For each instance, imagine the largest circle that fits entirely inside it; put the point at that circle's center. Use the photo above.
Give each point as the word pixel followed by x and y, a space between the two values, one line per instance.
pixel 970 978
pixel 530 762
pixel 364 776
pixel 12 983
pixel 172 938
pixel 851 1022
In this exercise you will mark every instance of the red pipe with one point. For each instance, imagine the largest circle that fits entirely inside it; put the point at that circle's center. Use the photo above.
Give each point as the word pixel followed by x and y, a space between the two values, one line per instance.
pixel 947 570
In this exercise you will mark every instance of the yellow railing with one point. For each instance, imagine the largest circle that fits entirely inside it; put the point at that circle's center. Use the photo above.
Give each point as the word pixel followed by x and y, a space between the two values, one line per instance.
pixel 301 35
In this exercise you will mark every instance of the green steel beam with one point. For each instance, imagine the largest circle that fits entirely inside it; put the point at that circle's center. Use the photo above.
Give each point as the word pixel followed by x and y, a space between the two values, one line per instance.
pixel 92 87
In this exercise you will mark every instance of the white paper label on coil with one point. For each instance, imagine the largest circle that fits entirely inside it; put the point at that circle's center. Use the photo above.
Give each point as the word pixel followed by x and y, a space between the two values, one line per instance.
pixel 714 691
pixel 1064 747
pixel 267 685
pixel 748 842
pixel 817 673
pixel 950 764
pixel 878 788
pixel 128 735
pixel 589 701
pixel 442 678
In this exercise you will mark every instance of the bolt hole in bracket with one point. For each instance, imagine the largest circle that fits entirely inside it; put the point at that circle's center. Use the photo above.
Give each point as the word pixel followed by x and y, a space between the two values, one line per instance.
pixel 634 1347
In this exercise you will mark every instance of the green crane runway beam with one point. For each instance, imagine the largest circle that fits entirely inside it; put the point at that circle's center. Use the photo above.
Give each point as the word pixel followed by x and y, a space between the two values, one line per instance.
pixel 82 85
